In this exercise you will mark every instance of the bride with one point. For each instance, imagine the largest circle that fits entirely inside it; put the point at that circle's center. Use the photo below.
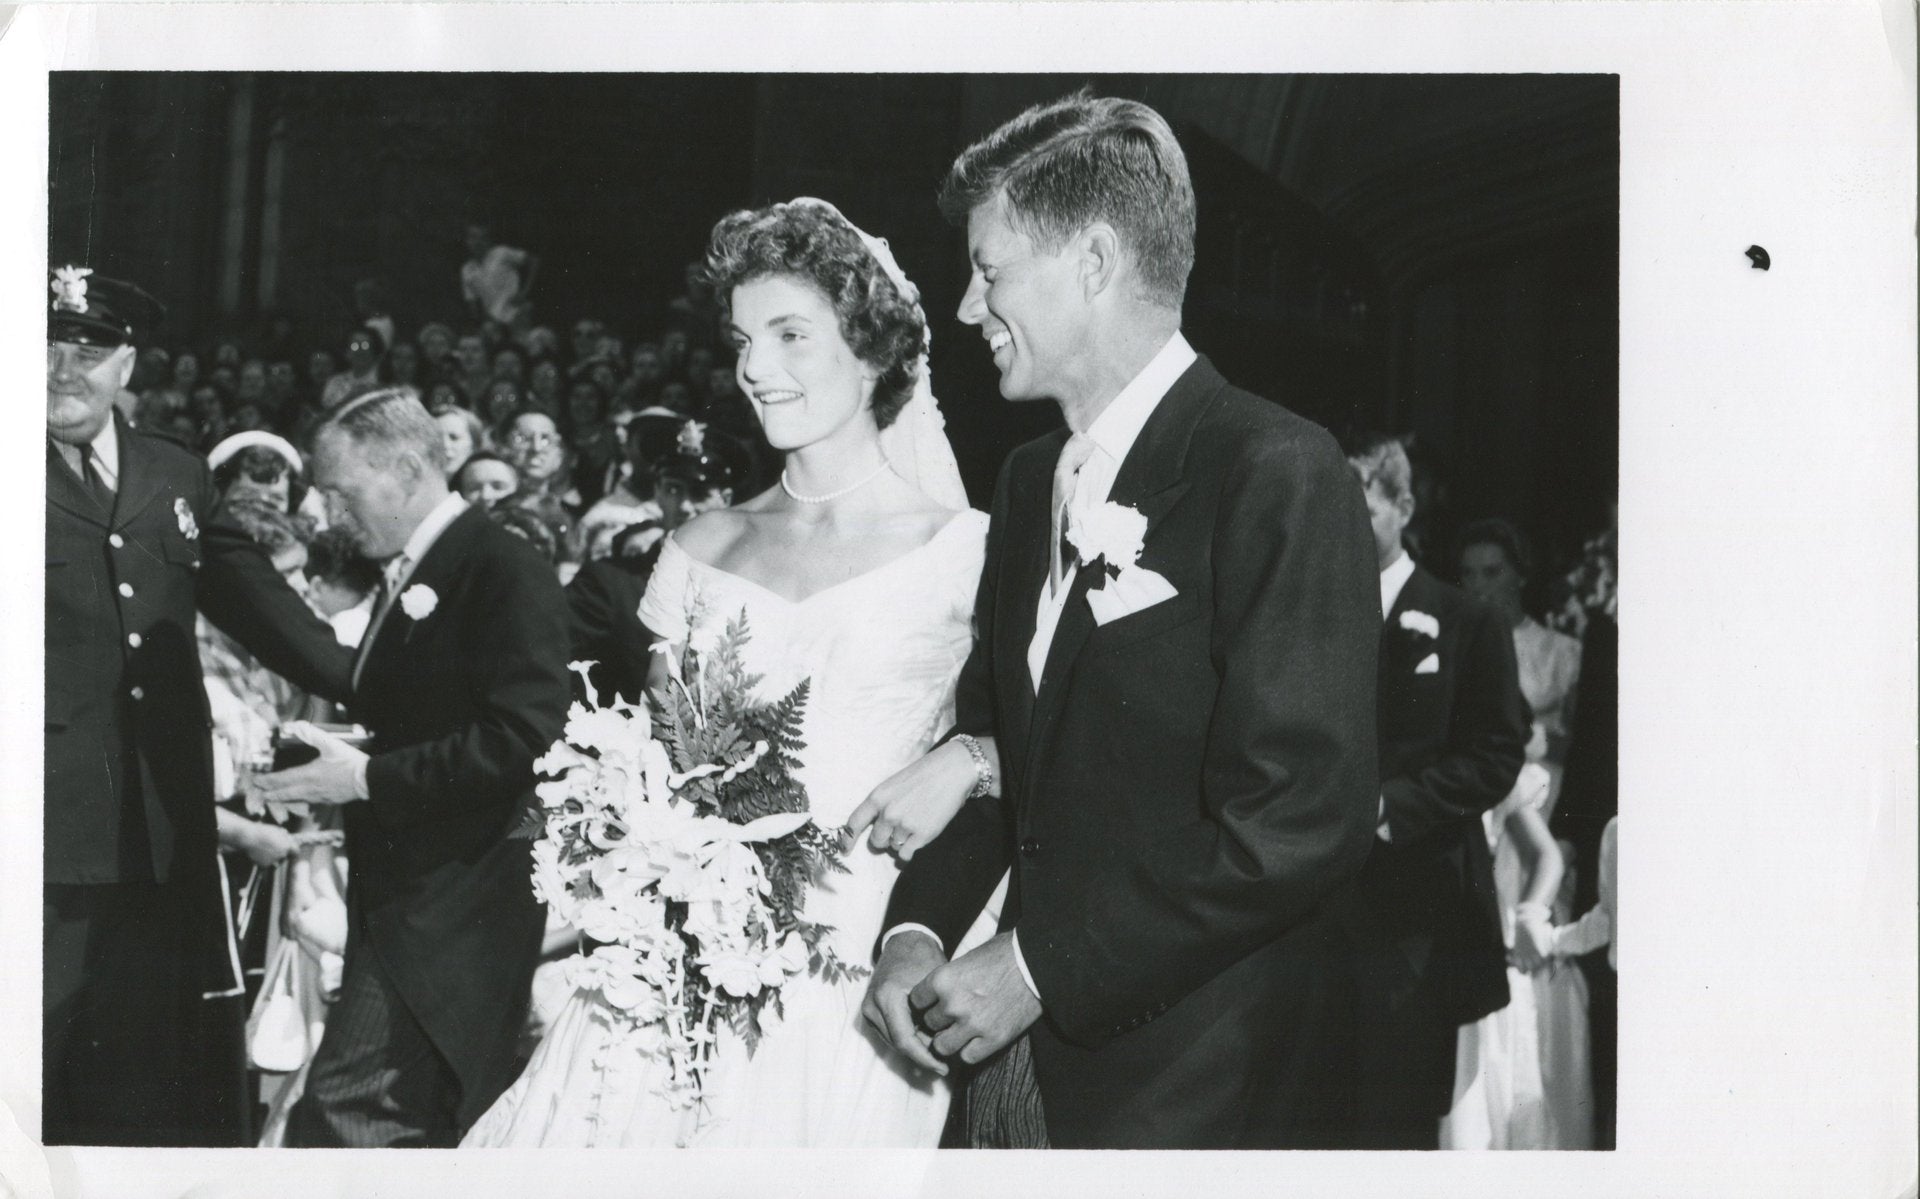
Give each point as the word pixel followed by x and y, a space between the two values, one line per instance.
pixel 857 572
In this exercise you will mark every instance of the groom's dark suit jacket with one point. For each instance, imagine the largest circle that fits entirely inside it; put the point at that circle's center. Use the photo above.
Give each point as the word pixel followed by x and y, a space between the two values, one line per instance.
pixel 460 703
pixel 1192 792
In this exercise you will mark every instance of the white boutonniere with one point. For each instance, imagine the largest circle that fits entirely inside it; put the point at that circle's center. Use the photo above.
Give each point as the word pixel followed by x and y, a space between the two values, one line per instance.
pixel 1415 621
pixel 1110 533
pixel 418 601
pixel 189 528
pixel 1114 536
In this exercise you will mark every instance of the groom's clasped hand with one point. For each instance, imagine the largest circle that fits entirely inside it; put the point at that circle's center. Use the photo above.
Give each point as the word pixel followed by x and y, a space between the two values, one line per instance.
pixel 927 1007
pixel 932 1009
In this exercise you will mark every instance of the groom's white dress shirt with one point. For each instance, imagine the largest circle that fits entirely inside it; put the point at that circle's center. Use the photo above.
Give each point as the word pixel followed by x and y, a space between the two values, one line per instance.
pixel 1113 433
pixel 1393 580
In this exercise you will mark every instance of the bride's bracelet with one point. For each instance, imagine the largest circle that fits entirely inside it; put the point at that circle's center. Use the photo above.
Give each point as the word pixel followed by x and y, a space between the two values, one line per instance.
pixel 983 771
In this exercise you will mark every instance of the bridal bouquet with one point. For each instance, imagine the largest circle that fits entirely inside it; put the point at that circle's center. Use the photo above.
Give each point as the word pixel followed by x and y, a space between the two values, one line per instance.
pixel 674 835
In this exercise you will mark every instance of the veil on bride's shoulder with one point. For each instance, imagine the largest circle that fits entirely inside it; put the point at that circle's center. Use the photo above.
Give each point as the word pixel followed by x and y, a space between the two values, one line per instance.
pixel 916 441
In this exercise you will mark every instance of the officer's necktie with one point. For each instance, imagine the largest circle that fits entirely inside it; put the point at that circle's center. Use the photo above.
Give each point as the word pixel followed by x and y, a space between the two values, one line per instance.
pixel 96 482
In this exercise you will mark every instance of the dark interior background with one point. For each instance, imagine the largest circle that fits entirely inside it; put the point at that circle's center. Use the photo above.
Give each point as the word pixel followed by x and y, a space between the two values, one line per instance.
pixel 1429 254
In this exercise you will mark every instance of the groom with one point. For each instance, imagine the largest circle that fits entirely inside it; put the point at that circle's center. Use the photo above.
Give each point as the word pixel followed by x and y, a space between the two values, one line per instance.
pixel 462 676
pixel 1187 741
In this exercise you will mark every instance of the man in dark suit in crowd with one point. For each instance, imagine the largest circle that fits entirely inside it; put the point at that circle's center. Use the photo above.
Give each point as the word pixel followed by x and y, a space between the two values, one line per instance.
pixel 1185 740
pixel 462 678
pixel 133 928
pixel 1453 735
pixel 603 609
pixel 690 472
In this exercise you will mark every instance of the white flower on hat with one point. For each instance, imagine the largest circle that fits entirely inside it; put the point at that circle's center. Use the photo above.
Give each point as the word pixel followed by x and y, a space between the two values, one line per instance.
pixel 418 601
pixel 70 288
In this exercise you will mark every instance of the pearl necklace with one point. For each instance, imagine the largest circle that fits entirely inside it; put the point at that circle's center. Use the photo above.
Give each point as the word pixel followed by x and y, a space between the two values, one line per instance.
pixel 830 496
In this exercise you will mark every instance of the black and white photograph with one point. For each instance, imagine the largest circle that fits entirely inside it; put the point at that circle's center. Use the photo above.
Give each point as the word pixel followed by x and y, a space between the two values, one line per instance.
pixel 769 605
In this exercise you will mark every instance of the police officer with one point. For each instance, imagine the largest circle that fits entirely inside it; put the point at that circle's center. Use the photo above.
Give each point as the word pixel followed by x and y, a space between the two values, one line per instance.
pixel 133 925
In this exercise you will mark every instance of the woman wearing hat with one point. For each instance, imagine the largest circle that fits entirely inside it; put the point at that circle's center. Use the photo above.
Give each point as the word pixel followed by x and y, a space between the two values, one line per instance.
pixel 258 467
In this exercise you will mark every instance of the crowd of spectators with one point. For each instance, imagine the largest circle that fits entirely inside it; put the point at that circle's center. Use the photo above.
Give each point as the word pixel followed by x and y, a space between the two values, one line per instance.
pixel 565 435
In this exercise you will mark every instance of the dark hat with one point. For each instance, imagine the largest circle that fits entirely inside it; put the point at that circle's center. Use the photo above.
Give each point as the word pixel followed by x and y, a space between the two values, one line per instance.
pixel 705 459
pixel 93 310
pixel 650 433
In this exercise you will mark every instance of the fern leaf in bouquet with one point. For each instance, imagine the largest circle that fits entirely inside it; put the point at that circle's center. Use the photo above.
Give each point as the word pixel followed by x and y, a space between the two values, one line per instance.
pixel 675 836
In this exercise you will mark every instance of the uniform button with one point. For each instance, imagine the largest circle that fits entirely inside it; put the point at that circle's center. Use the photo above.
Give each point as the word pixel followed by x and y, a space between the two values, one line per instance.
pixel 133 639
pixel 1029 847
pixel 138 693
pixel 115 540
pixel 126 590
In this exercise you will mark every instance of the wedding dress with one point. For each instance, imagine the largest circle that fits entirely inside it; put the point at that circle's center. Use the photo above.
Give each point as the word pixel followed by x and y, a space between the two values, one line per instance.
pixel 882 651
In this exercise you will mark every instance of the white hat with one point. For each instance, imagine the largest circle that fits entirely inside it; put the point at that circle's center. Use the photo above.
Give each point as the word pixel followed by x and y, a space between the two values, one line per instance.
pixel 253 437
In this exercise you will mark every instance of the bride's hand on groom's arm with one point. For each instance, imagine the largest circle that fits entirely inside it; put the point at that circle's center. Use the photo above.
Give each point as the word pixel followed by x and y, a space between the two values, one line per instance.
pixel 905 960
pixel 913 806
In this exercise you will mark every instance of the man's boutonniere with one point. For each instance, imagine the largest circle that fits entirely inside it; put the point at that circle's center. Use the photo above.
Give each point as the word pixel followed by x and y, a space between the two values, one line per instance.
pixel 189 527
pixel 1415 621
pixel 418 601
pixel 1112 534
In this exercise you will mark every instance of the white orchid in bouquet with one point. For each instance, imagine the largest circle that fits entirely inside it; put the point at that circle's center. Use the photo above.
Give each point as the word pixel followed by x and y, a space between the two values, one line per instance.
pixel 674 835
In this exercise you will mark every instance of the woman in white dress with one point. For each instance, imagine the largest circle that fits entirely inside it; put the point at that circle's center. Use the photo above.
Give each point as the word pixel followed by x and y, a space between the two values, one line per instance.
pixel 1494 567
pixel 857 572
pixel 1519 1085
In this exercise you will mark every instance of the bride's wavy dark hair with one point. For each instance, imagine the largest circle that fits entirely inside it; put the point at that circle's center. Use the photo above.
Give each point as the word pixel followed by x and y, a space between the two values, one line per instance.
pixel 885 329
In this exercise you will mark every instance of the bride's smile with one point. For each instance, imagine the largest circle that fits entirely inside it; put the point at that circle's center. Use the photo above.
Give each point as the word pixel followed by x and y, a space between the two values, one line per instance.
pixel 807 385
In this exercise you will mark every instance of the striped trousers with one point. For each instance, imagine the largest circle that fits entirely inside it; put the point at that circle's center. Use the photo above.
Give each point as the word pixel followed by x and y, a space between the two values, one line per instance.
pixel 377 1081
pixel 1002 1102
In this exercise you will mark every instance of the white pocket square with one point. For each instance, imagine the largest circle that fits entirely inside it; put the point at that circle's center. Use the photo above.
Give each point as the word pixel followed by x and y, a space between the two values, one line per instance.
pixel 1133 589
pixel 1428 665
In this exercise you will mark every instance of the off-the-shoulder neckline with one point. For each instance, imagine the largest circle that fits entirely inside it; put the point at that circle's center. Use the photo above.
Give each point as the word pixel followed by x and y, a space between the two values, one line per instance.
pixel 956 520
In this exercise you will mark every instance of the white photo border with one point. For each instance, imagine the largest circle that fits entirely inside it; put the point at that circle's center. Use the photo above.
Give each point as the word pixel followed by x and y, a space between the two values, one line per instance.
pixel 1768 443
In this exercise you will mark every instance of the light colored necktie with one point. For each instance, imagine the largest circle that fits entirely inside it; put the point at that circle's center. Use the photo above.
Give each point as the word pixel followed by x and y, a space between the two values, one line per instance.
pixel 389 589
pixel 1066 477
